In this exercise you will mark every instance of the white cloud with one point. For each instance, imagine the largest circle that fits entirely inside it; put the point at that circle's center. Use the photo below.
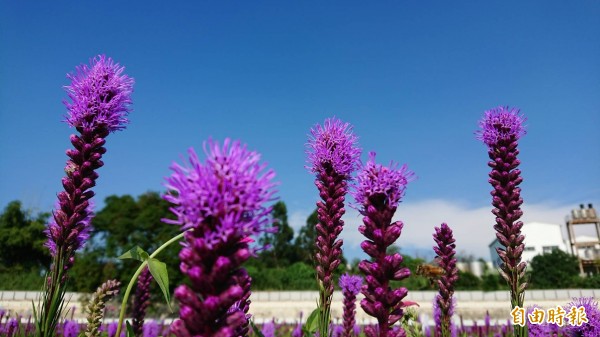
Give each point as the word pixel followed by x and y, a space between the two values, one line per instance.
pixel 473 227
pixel 297 219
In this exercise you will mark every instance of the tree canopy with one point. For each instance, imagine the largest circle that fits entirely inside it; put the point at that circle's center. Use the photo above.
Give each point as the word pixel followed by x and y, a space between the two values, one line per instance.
pixel 126 221
pixel 22 239
pixel 557 269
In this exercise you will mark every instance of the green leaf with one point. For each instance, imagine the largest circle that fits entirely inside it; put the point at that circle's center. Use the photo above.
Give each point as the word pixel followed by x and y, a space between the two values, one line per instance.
pixel 312 323
pixel 130 332
pixel 135 253
pixel 256 330
pixel 159 273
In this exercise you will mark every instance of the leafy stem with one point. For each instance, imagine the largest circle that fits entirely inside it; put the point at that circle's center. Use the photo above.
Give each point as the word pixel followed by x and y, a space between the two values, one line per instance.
pixel 138 254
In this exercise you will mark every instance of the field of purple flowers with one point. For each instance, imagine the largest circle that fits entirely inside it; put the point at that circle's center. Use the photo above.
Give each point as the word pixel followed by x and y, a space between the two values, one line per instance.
pixel 412 325
pixel 221 204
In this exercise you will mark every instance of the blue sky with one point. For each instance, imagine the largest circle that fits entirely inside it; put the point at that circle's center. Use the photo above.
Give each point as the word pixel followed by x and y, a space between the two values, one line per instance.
pixel 412 78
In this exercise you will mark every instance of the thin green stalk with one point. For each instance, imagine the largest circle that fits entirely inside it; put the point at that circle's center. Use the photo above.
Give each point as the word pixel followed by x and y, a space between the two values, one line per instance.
pixel 324 310
pixel 51 305
pixel 135 276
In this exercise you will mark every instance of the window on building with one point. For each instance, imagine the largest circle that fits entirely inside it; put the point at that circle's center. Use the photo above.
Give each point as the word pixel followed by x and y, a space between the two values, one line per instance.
pixel 529 249
pixel 548 249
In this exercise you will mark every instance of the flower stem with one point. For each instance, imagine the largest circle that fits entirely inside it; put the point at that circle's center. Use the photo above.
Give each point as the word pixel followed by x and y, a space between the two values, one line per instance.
pixel 135 276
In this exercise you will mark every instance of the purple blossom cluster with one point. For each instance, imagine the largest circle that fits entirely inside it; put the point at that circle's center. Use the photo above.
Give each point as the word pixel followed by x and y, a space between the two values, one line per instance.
pixel 141 301
pixel 500 130
pixel 501 125
pixel 378 193
pixel 333 155
pixel 221 204
pixel 444 302
pixel 70 328
pixel 100 95
pixel 387 183
pixel 100 99
pixel 592 312
pixel 351 285
pixel 333 147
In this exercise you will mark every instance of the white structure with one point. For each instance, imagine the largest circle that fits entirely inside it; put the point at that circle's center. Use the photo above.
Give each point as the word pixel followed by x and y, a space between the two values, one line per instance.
pixel 589 251
pixel 540 238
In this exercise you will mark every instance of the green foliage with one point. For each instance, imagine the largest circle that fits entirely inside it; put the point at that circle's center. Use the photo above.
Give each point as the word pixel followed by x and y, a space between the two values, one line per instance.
pixel 158 270
pixel 89 270
pixel 125 222
pixel 590 282
pixel 298 276
pixel 493 281
pixel 136 253
pixel 21 280
pixel 410 322
pixel 312 323
pixel 130 332
pixel 255 329
pixel 305 242
pixel 281 252
pixel 22 240
pixel 557 269
pixel 467 281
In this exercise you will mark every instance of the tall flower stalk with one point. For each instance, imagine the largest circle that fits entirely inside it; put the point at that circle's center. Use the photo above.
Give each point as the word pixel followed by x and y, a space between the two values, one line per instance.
pixel 100 101
pixel 500 129
pixel 333 155
pixel 378 193
pixel 350 285
pixel 445 250
pixel 141 301
pixel 222 200
pixel 95 314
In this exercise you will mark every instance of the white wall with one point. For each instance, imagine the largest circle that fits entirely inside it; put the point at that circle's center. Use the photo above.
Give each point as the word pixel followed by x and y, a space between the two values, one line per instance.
pixel 540 238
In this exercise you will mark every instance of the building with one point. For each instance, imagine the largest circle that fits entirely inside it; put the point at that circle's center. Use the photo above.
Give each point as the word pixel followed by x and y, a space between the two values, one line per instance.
pixel 540 238
pixel 588 247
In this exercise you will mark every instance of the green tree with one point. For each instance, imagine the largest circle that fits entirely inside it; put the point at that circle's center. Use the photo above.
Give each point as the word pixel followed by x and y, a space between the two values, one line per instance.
pixel 467 281
pixel 493 281
pixel 281 252
pixel 305 241
pixel 557 269
pixel 414 281
pixel 22 239
pixel 125 222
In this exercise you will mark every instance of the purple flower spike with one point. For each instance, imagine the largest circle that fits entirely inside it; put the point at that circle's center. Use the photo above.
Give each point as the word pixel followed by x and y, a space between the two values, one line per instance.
pixel 100 95
pixel 350 284
pixel 141 302
pixel 231 186
pixel 382 182
pixel 350 288
pixel 500 130
pixel 445 250
pixel 70 329
pixel 268 329
pixel 151 329
pixel 333 155
pixel 500 125
pixel 537 329
pixel 222 200
pixel 378 193
pixel 592 312
pixel 333 146
pixel 297 332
